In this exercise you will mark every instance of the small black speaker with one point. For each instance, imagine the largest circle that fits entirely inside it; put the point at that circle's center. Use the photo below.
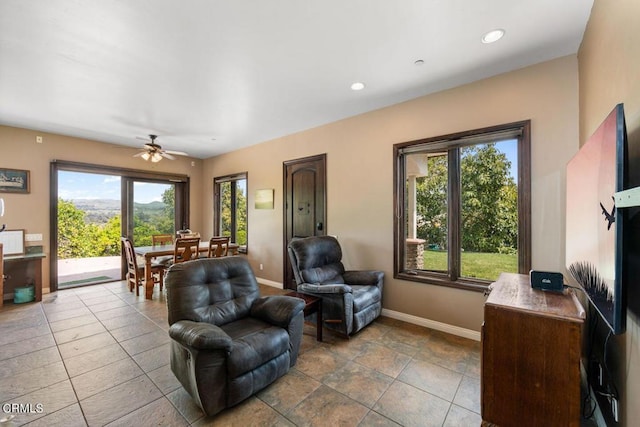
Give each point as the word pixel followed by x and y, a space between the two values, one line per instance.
pixel 547 280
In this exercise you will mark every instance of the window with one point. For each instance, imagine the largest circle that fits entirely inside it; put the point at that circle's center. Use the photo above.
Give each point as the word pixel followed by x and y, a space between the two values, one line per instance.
pixel 462 207
pixel 230 199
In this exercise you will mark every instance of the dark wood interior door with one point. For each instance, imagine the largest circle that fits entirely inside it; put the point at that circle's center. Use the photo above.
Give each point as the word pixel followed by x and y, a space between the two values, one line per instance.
pixel 305 209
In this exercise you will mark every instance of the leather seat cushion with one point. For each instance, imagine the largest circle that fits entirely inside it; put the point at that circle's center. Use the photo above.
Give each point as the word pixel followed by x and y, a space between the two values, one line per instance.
pixel 364 296
pixel 254 343
pixel 330 273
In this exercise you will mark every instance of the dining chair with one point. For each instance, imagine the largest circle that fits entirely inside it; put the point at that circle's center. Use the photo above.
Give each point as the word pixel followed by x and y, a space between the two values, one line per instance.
pixel 218 246
pixel 135 274
pixel 187 234
pixel 161 239
pixel 185 249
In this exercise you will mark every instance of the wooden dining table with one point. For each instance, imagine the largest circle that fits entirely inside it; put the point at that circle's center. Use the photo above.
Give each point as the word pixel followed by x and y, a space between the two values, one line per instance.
pixel 150 252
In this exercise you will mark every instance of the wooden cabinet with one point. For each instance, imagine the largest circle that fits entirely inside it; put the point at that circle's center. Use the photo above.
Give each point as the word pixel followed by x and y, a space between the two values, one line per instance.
pixel 531 345
pixel 21 270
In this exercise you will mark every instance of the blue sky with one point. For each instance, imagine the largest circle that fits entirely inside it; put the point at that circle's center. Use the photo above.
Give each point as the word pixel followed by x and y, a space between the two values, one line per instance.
pixel 77 185
pixel 510 148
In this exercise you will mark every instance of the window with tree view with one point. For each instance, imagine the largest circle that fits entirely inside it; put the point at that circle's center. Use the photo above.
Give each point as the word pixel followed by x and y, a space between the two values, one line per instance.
pixel 231 208
pixel 463 206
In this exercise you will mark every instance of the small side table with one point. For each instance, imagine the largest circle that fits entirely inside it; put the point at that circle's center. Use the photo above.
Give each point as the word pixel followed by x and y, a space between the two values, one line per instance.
pixel 311 305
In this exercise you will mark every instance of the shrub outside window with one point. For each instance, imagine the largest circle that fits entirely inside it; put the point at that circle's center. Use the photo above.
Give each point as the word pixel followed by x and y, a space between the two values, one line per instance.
pixel 230 199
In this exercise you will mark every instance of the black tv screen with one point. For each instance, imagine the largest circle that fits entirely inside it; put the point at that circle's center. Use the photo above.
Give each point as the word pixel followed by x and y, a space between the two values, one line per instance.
pixel 596 244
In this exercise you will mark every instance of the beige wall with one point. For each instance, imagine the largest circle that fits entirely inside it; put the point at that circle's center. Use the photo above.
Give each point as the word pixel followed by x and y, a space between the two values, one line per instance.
pixel 360 181
pixel 19 150
pixel 609 73
pixel 359 170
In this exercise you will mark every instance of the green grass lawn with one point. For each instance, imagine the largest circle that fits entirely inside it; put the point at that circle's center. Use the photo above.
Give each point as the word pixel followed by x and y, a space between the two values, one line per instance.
pixel 479 265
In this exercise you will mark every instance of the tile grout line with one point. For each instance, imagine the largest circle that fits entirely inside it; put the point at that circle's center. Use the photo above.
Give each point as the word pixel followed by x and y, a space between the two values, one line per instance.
pixel 57 345
pixel 44 314
pixel 65 366
pixel 144 373
pixel 153 310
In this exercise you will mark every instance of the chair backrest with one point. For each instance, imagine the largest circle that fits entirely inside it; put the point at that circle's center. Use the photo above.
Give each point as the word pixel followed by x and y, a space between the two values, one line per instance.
pixel 185 249
pixel 132 263
pixel 161 239
pixel 187 234
pixel 212 290
pixel 218 246
pixel 316 259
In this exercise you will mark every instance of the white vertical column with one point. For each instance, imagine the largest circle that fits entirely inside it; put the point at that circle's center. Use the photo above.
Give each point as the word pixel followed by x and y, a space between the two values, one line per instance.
pixel 412 213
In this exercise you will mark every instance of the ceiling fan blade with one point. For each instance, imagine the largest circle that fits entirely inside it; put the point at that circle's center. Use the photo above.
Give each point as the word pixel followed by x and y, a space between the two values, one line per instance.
pixel 153 149
pixel 177 153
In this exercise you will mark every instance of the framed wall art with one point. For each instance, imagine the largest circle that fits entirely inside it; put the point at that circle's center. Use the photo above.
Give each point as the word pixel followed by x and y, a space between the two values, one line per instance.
pixel 264 198
pixel 14 181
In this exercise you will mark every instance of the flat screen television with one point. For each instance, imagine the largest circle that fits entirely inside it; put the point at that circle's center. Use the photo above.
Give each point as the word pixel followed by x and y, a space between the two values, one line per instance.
pixel 597 243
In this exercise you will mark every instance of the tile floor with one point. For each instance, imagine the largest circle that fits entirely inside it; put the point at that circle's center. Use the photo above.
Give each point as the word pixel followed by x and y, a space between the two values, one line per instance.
pixel 99 355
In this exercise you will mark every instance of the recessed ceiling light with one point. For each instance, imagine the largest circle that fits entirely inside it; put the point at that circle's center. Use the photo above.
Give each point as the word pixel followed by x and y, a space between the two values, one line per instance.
pixel 357 86
pixel 419 62
pixel 493 36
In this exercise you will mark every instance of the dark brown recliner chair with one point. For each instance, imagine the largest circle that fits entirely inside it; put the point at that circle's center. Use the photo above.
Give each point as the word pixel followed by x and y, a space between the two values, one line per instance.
pixel 350 299
pixel 228 342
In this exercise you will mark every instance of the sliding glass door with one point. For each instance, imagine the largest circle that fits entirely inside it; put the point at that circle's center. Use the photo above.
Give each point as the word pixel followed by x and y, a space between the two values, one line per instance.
pixel 93 206
pixel 150 209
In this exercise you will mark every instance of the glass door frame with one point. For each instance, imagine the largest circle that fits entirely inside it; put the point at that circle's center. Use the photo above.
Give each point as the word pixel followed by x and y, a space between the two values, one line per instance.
pixel 128 176
pixel 128 200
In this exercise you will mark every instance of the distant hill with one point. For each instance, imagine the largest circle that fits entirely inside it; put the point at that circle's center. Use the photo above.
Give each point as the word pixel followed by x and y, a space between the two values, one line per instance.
pixel 99 211
pixel 151 206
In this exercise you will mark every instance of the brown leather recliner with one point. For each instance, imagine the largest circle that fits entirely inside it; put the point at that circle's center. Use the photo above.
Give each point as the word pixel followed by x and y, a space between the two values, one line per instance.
pixel 228 342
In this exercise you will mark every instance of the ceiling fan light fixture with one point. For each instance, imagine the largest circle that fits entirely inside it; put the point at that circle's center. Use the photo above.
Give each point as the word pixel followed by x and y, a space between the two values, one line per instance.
pixel 153 152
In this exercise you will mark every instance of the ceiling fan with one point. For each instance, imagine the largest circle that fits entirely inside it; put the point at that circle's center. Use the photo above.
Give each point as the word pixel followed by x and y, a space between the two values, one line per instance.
pixel 155 153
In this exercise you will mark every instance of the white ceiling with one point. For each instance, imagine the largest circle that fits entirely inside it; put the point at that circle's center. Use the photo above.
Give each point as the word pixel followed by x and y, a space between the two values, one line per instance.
pixel 212 76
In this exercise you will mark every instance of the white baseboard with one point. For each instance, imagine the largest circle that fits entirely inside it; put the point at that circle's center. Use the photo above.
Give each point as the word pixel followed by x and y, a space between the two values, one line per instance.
pixel 269 283
pixel 432 324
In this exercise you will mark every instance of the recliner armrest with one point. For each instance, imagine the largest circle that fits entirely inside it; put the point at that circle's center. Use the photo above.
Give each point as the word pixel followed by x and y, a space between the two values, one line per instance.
pixel 363 277
pixel 277 309
pixel 318 288
pixel 200 335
